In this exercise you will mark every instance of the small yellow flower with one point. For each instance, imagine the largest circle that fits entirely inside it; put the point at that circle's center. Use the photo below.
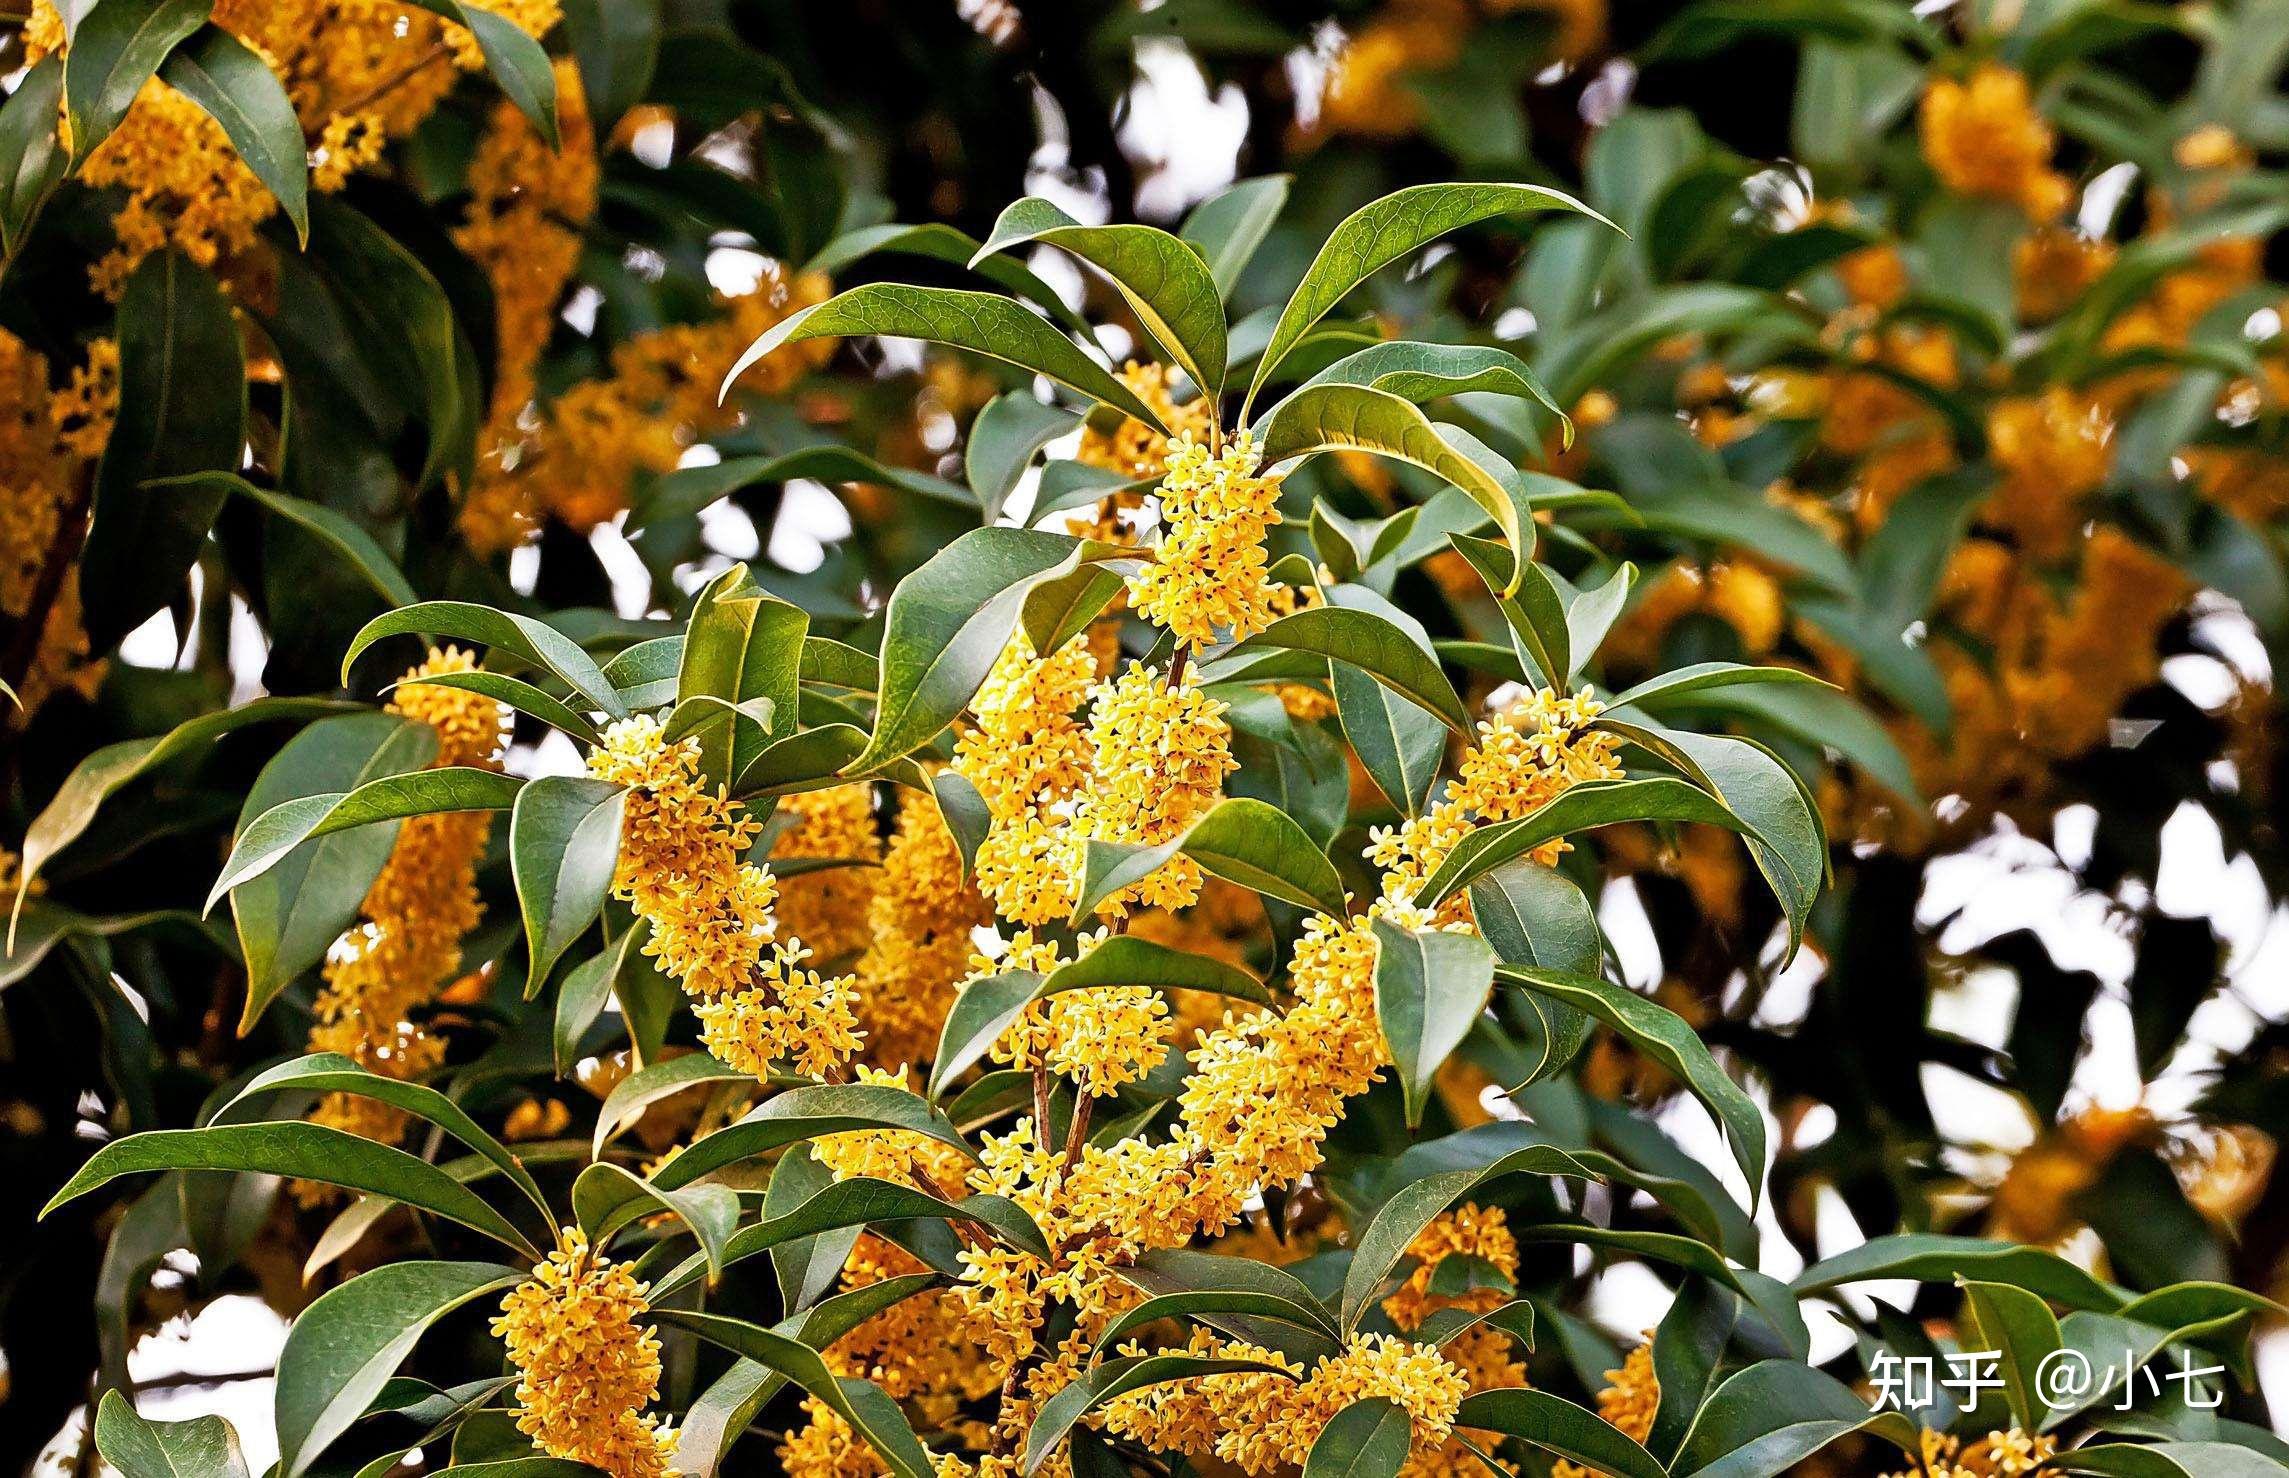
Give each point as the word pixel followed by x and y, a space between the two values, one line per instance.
pixel 587 1366
pixel 1983 137
pixel 1207 578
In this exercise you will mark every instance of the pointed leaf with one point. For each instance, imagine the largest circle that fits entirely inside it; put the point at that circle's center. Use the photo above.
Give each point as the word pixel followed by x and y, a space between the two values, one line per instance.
pixel 874 1416
pixel 224 76
pixel 564 843
pixel 1375 646
pixel 1228 226
pixel 807 1113
pixel 136 1447
pixel 282 828
pixel 1431 987
pixel 115 48
pixel 1559 1426
pixel 1367 1439
pixel 1164 280
pixel 980 322
pixel 347 1344
pixel 523 637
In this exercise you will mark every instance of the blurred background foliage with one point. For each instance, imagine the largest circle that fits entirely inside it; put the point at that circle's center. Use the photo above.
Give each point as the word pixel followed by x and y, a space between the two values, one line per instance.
pixel 1943 358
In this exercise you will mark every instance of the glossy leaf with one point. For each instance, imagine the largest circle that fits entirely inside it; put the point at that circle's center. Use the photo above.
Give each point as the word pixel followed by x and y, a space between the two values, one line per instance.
pixel 1117 1377
pixel 1228 226
pixel 289 917
pixel 340 536
pixel 1773 1415
pixel 304 1151
pixel 237 89
pixel 529 640
pixel 980 322
pixel 1367 1439
pixel 806 1113
pixel 1004 438
pixel 606 1198
pixel 1357 418
pixel 353 1337
pixel 1375 646
pixel 1430 988
pixel 116 47
pixel 282 828
pixel 1559 1426
pixel 874 1416
pixel 1378 234
pixel 1242 840
pixel 137 1447
pixel 1666 1038
pixel 1164 279
pixel 564 843
pixel 1592 803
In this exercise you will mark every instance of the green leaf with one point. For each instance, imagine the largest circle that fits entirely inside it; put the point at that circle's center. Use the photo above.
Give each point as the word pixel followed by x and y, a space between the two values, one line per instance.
pixel 1164 280
pixel 289 918
pixel 1779 818
pixel 606 1198
pixel 617 46
pixel 1928 1257
pixel 1242 840
pixel 564 843
pixel 1559 1426
pixel 984 1008
pixel 531 641
pixel 269 837
pixel 1703 677
pixel 965 813
pixel 182 408
pixel 980 322
pixel 110 769
pixel 687 490
pixel 942 243
pixel 344 538
pixel 515 59
pixel 115 48
pixel 1773 1415
pixel 1380 233
pixel 1116 1378
pixel 726 1409
pixel 1003 440
pixel 1400 1219
pixel 839 664
pixel 1399 742
pixel 347 1344
pixel 806 1267
pixel 1228 226
pixel 1430 988
pixel 1374 645
pixel 1666 1038
pixel 1251 1301
pixel 1817 715
pixel 331 1072
pixel 1589 804
pixel 946 625
pixel 649 1084
pixel 1536 915
pixel 585 991
pixel 1367 1439
pixel 873 1415
pixel 1425 372
pixel 238 90
pixel 2166 1460
pixel 518 694
pixel 863 1201
pixel 807 1113
pixel 2021 1328
pixel 811 760
pixel 1321 418
pixel 304 1151
pixel 32 158
pixel 137 1447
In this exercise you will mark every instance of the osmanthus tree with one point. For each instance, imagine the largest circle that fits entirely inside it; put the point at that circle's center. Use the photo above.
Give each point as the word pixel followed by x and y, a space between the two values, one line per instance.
pixel 1125 1109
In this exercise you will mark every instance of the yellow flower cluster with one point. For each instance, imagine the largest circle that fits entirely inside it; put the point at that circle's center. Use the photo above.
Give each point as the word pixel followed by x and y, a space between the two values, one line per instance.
pixel 1466 1231
pixel 827 909
pixel 2005 1454
pixel 359 72
pixel 1207 577
pixel 1159 753
pixel 1369 92
pixel 1100 1040
pixel 711 916
pixel 586 1364
pixel 49 444
pixel 1983 137
pixel 1136 451
pixel 2053 452
pixel 1263 1423
pixel 406 947
pixel 1524 758
pixel 588 445
pixel 919 925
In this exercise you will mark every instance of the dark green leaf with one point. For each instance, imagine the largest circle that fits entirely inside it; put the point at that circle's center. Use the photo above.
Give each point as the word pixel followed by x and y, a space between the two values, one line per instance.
pixel 115 48
pixel 224 76
pixel 1430 988
pixel 1367 1439
pixel 1228 226
pixel 532 641
pixel 137 1447
pixel 1002 442
pixel 1561 1427
pixel 874 1416
pixel 348 1343
pixel 182 408
pixel 564 843
pixel 980 322
pixel 263 842
pixel 1242 840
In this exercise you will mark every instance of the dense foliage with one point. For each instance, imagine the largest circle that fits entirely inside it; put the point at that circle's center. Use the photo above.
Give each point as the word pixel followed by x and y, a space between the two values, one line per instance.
pixel 867 829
